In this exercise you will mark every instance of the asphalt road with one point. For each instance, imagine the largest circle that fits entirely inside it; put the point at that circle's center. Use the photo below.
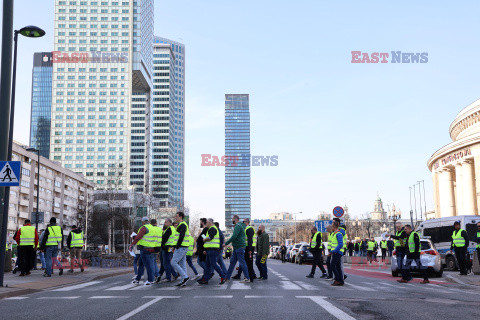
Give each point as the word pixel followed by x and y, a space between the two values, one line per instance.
pixel 287 294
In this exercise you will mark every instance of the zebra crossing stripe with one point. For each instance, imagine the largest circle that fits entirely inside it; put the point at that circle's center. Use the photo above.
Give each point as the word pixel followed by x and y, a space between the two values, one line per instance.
pixel 78 286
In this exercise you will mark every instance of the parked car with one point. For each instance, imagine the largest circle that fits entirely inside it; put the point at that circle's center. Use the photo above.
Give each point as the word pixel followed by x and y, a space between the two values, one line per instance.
pixel 294 251
pixel 440 233
pixel 273 251
pixel 304 254
pixel 429 257
pixel 287 255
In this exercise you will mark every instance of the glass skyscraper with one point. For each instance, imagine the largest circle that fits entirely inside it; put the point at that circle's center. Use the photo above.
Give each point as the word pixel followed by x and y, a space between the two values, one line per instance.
pixel 237 148
pixel 41 102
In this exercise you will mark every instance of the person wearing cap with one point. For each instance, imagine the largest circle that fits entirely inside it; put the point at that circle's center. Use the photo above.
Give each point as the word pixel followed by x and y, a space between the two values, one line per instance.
pixel 168 241
pixel 75 242
pixel 27 239
pixel 146 241
pixel 52 238
pixel 460 246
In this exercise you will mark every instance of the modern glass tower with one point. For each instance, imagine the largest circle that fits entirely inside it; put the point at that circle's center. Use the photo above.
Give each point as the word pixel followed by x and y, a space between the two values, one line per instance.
pixel 237 148
pixel 169 92
pixel 41 102
pixel 102 82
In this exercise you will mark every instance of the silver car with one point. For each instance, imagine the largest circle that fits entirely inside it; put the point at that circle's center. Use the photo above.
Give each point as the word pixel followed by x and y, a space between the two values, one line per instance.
pixel 429 256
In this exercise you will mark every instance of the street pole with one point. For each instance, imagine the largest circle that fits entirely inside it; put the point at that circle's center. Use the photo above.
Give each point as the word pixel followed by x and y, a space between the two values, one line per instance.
pixel 5 105
pixel 420 193
pixel 415 200
pixel 38 185
pixel 424 197
pixel 295 228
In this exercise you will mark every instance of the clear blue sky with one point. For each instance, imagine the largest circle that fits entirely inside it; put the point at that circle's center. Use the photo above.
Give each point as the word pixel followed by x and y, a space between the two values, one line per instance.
pixel 342 131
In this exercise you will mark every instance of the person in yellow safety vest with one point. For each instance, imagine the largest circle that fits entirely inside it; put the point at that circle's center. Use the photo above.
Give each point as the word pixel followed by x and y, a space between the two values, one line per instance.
pixel 400 239
pixel 370 249
pixel 383 246
pixel 477 240
pixel 157 232
pixel 146 240
pixel 27 239
pixel 191 247
pixel 168 241
pixel 414 248
pixel 316 250
pixel 337 252
pixel 212 247
pixel 250 245
pixel 75 242
pixel 182 242
pixel 329 256
pixel 343 230
pixel 51 239
pixel 460 245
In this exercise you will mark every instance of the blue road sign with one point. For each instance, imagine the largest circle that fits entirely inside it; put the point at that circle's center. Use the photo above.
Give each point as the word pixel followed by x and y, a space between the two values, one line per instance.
pixel 338 212
pixel 321 225
pixel 10 173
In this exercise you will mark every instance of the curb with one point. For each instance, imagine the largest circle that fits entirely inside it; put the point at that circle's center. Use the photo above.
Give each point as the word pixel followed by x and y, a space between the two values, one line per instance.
pixel 452 279
pixel 21 292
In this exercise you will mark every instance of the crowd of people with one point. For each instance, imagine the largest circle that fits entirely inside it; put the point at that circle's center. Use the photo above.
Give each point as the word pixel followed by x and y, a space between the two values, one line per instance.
pixel 169 249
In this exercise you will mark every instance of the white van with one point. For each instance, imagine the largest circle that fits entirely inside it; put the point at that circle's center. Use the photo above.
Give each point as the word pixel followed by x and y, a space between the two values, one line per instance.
pixel 440 231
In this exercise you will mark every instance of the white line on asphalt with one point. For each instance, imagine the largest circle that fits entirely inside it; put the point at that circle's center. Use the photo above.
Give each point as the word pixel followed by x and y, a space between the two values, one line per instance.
pixel 108 297
pixel 330 308
pixel 78 286
pixel 359 287
pixel 167 288
pixel 287 285
pixel 98 288
pixel 305 285
pixel 239 286
pixel 53 298
pixel 119 288
pixel 16 298
pixel 214 297
pixel 453 289
pixel 139 309
pixel 393 285
pixel 268 297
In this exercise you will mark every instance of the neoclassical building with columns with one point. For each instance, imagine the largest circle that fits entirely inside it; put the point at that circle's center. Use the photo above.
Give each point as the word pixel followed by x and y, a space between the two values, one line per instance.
pixel 456 167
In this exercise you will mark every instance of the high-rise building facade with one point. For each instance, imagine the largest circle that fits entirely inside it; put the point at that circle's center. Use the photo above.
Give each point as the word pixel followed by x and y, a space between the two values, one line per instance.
pixel 40 117
pixel 169 110
pixel 102 72
pixel 237 148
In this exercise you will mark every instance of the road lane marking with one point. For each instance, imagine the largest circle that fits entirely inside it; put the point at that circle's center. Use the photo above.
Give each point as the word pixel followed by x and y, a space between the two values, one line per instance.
pixel 305 285
pixel 142 307
pixel 98 288
pixel 54 298
pixel 267 297
pixel 16 298
pixel 393 285
pixel 287 285
pixel 109 297
pixel 214 297
pixel 166 288
pixel 240 286
pixel 125 287
pixel 330 308
pixel 359 287
pixel 78 286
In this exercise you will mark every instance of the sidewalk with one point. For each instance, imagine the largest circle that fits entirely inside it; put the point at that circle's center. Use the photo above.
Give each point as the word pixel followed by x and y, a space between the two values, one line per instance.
pixel 453 276
pixel 17 286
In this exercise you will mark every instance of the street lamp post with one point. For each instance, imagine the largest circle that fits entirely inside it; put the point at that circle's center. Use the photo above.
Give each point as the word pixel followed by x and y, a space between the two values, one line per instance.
pixel 30 32
pixel 296 226
pixel 38 182
pixel 394 216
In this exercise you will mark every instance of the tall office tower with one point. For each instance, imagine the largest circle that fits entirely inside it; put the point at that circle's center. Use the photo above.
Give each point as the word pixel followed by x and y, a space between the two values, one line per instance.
pixel 41 102
pixel 174 95
pixel 237 148
pixel 102 69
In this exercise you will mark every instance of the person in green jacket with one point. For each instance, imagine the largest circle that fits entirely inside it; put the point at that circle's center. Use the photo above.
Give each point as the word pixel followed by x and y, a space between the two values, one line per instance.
pixel 238 242
pixel 263 248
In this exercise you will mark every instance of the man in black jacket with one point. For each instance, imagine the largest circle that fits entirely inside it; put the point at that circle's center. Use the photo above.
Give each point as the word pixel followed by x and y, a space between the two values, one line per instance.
pixel 400 243
pixel 316 249
pixel 413 249
pixel 52 238
pixel 460 248
pixel 201 260
pixel 75 242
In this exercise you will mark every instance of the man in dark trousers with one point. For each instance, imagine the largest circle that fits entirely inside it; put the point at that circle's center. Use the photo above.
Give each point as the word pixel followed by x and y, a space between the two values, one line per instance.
pixel 201 260
pixel 316 249
pixel 400 243
pixel 283 252
pixel 460 246
pixel 27 239
pixel 413 250
pixel 52 238
pixel 251 242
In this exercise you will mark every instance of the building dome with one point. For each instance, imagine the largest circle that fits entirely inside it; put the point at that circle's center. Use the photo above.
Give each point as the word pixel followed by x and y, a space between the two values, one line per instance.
pixel 467 122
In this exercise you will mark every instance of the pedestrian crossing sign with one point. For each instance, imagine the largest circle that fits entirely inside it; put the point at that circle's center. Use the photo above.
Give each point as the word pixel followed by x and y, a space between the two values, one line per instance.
pixel 10 173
